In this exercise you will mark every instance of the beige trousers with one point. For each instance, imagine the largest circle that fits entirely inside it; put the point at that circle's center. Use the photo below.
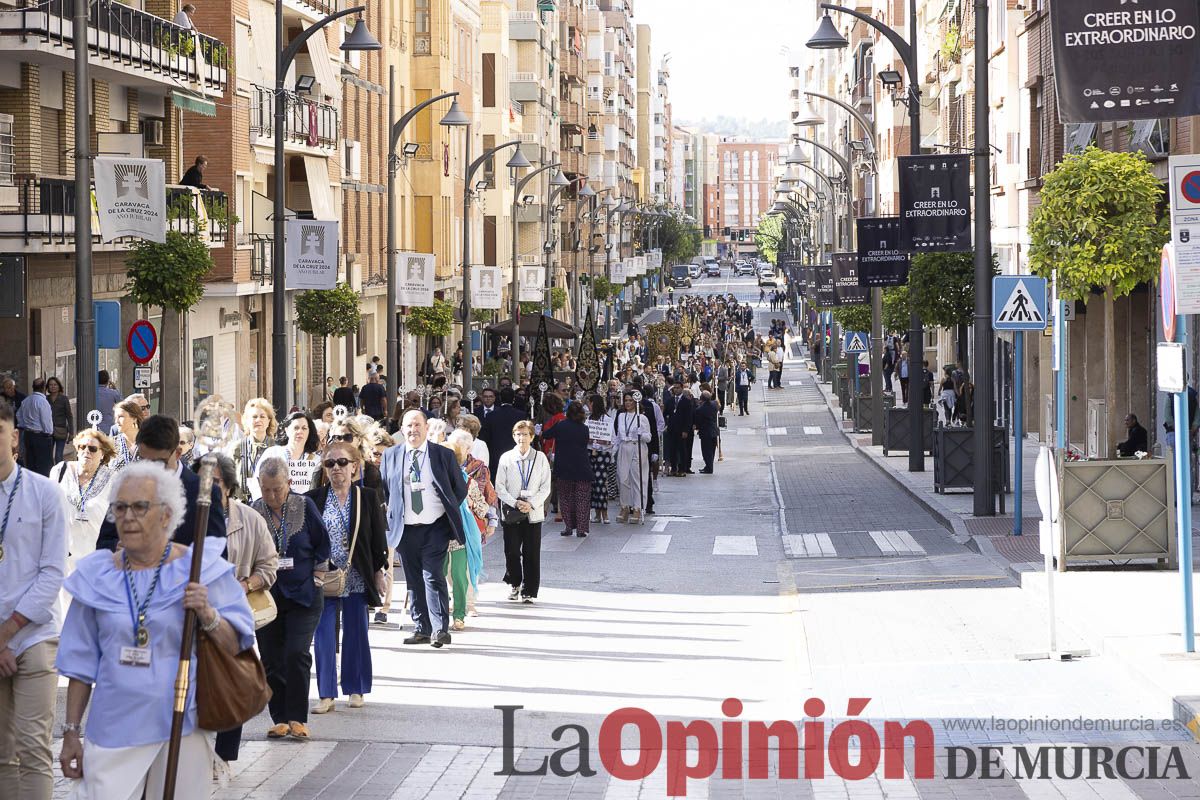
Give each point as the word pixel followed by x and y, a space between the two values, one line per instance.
pixel 27 724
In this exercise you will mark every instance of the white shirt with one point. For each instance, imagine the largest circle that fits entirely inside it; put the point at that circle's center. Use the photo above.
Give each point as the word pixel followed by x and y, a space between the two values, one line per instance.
pixel 303 473
pixel 479 449
pixel 432 507
pixel 35 557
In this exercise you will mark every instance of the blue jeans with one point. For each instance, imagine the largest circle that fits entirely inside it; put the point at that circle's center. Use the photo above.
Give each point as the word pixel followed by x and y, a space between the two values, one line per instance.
pixel 356 650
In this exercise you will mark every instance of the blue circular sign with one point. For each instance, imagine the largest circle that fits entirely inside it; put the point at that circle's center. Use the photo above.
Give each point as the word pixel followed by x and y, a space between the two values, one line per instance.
pixel 1189 187
pixel 142 341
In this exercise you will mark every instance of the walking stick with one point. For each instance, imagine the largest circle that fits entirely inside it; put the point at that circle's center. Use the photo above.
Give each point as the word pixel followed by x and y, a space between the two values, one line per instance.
pixel 210 418
pixel 637 404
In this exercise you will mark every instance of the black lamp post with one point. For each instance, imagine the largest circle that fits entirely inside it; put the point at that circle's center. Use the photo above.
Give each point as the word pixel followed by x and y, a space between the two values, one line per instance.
pixel 516 283
pixel 360 39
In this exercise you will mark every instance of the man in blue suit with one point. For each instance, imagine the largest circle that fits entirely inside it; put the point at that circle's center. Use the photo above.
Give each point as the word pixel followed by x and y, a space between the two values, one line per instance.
pixel 426 489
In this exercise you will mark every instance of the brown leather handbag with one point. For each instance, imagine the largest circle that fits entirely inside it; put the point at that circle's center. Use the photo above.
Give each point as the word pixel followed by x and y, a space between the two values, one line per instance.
pixel 230 689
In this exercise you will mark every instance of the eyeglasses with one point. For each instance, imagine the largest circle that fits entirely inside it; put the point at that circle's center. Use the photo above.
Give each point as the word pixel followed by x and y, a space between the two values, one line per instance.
pixel 138 507
pixel 91 448
pixel 144 408
pixel 341 437
pixel 330 463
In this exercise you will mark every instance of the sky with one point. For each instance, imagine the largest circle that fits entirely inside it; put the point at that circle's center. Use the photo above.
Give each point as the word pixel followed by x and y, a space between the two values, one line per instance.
pixel 726 55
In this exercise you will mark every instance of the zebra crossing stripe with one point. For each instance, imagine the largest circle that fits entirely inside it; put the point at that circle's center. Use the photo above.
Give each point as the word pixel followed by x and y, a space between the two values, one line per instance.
pixel 896 543
pixel 735 546
pixel 647 543
pixel 809 545
pixel 777 431
pixel 812 430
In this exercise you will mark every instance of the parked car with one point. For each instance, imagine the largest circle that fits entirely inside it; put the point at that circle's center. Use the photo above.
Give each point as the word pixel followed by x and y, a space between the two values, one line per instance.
pixel 681 276
pixel 743 268
pixel 693 270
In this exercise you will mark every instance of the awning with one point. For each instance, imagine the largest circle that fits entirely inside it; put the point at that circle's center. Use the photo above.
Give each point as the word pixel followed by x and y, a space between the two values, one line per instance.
pixel 318 51
pixel 320 193
pixel 189 102
pixel 262 43
pixel 555 329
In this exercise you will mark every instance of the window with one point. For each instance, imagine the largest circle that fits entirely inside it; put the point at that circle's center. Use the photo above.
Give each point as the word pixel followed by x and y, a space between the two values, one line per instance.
pixel 489 80
pixel 422 44
pixel 754 168
pixel 489 166
pixel 489 241
pixel 746 165
pixel 353 159
pixel 7 153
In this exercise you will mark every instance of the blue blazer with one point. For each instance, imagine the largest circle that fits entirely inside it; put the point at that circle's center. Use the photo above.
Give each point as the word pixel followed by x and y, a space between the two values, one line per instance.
pixel 448 482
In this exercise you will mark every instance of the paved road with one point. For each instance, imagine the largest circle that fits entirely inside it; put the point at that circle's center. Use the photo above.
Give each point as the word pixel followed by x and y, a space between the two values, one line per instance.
pixel 797 571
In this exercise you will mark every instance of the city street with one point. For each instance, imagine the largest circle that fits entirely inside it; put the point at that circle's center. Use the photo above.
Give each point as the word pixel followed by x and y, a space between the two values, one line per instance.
pixel 797 571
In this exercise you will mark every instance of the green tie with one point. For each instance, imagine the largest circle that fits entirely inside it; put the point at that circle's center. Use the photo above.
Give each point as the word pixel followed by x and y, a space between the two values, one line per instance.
pixel 414 475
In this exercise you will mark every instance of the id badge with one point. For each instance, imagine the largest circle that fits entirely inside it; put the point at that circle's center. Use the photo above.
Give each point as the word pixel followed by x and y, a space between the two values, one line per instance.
pixel 135 656
pixel 286 562
pixel 81 515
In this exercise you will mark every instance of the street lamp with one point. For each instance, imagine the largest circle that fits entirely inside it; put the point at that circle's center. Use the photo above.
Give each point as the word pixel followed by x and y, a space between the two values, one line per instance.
pixel 360 39
pixel 516 284
pixel 826 38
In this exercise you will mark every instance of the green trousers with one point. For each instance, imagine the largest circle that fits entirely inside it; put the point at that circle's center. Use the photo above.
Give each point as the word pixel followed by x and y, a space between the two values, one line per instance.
pixel 456 568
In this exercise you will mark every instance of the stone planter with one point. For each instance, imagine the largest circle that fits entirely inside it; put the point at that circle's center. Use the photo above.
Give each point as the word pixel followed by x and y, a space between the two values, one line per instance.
pixel 896 434
pixel 1116 510
pixel 954 459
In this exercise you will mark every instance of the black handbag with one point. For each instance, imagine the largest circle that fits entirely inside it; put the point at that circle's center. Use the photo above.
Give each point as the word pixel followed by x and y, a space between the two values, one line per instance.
pixel 511 515
pixel 722 422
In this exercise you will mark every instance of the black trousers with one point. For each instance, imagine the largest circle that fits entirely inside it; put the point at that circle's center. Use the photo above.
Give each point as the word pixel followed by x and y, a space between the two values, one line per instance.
pixel 523 557
pixel 39 452
pixel 683 452
pixel 708 449
pixel 423 552
pixel 743 396
pixel 286 649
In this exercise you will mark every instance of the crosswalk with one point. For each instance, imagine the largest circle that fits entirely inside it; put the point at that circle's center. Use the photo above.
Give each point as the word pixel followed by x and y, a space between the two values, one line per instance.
pixel 852 544
pixel 653 541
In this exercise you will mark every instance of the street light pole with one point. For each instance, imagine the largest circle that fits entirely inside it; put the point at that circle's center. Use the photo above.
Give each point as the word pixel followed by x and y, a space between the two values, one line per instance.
pixel 985 499
pixel 516 283
pixel 85 320
pixel 360 39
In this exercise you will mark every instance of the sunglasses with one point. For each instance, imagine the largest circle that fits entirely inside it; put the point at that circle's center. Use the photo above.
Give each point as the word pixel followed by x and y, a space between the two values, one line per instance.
pixel 330 463
pixel 91 448
pixel 341 437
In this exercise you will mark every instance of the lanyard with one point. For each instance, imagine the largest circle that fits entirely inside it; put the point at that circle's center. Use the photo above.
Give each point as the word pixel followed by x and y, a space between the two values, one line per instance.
pixel 8 507
pixel 526 475
pixel 630 419
pixel 280 534
pixel 137 610
pixel 85 494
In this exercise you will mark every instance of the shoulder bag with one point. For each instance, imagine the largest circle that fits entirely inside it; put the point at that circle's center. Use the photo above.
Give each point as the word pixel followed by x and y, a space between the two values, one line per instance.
pixel 262 606
pixel 335 579
pixel 230 689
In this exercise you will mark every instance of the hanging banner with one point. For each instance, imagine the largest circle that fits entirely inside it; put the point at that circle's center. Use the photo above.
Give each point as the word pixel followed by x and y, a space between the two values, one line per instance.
pixel 826 296
pixel 1125 62
pixel 618 273
pixel 811 283
pixel 131 198
pixel 935 204
pixel 881 262
pixel 639 266
pixel 532 281
pixel 414 284
pixel 485 287
pixel 310 254
pixel 845 280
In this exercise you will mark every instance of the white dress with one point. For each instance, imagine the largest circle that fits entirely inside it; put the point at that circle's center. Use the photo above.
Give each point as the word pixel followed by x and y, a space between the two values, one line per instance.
pixel 85 508
pixel 302 471
pixel 633 461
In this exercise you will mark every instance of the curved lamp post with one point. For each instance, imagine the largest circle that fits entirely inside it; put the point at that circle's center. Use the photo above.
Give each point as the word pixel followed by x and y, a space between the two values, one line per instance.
pixel 516 285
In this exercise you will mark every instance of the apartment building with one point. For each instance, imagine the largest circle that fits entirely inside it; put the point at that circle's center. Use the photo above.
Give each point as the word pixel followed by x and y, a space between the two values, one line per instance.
pixel 745 189
pixel 571 229
pixel 611 72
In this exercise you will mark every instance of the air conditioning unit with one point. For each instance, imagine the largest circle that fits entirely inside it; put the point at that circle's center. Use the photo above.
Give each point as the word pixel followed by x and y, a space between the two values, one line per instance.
pixel 152 132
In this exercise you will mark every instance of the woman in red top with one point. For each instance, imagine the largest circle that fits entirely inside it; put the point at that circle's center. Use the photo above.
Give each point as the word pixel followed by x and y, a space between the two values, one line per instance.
pixel 552 407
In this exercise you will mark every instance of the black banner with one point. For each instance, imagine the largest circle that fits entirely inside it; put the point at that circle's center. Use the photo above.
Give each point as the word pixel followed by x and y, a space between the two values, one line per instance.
pixel 1117 62
pixel 845 280
pixel 826 296
pixel 810 283
pixel 881 262
pixel 935 204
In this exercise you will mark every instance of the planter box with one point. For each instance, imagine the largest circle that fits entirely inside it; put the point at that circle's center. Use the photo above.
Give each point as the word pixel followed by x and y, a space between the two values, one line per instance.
pixel 896 430
pixel 954 459
pixel 864 411
pixel 1116 510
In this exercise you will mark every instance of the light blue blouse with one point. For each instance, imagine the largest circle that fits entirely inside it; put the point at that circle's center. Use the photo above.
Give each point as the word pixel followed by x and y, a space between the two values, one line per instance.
pixel 130 705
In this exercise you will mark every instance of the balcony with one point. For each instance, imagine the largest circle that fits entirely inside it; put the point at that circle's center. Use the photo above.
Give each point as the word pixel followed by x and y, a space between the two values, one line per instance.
pixel 526 26
pixel 131 47
pixel 863 93
pixel 572 116
pixel 306 122
pixel 526 87
pixel 530 213
pixel 40 216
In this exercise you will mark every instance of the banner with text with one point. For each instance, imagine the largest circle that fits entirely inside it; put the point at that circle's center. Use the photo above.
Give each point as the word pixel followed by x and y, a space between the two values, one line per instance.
pixel 414 284
pixel 881 262
pixel 845 280
pixel 935 204
pixel 532 281
pixel 131 198
pixel 826 296
pixel 618 274
pixel 485 288
pixel 310 254
pixel 1116 62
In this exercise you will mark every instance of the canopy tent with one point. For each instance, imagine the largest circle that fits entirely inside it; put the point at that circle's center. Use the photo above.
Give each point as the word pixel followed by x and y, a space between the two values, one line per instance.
pixel 555 329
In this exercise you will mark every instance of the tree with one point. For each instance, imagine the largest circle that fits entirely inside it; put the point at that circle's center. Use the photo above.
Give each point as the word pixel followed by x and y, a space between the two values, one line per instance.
pixel 942 288
pixel 896 315
pixel 678 238
pixel 436 320
pixel 853 318
pixel 1098 226
pixel 322 313
pixel 769 237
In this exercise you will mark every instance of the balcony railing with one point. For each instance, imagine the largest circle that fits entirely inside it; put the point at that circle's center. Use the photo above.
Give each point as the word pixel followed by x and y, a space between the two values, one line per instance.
pixel 44 212
pixel 306 121
pixel 126 37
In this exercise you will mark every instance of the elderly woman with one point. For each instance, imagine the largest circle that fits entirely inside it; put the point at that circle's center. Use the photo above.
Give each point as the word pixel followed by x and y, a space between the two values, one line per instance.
pixel 127 418
pixel 572 469
pixel 358 544
pixel 302 541
pixel 464 561
pixel 600 456
pixel 120 645
pixel 84 484
pixel 479 476
pixel 479 449
pixel 523 486
pixel 258 434
pixel 349 429
pixel 187 446
pixel 300 451
pixel 438 431
pixel 249 548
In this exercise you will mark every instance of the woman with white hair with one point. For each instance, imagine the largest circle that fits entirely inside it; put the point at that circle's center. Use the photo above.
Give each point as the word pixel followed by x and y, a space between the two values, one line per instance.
pixel 119 647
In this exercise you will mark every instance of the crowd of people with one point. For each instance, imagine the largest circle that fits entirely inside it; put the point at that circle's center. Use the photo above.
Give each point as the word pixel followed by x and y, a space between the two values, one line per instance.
pixel 314 515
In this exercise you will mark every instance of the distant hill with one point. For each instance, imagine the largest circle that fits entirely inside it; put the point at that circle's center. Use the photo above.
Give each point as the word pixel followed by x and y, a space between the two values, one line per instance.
pixel 759 130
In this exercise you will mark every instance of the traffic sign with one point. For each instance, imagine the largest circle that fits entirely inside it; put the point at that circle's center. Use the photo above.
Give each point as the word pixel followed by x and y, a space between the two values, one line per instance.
pixel 141 377
pixel 1166 291
pixel 855 342
pixel 1018 303
pixel 1189 187
pixel 142 341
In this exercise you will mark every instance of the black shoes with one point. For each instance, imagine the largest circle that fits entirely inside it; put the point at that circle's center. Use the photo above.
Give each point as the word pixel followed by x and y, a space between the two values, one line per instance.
pixel 442 638
pixel 580 534
pixel 565 533
pixel 417 638
pixel 706 472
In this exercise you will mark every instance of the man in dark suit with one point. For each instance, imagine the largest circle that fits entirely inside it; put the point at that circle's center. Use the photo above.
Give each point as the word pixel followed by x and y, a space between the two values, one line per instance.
pixel 158 440
pixel 707 429
pixel 496 428
pixel 485 404
pixel 667 442
pixel 743 376
pixel 426 487
pixel 681 428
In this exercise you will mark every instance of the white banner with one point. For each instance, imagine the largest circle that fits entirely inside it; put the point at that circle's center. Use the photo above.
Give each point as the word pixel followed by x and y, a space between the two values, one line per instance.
pixel 532 281
pixel 485 287
pixel 414 284
pixel 131 198
pixel 655 259
pixel 639 265
pixel 310 254
pixel 619 273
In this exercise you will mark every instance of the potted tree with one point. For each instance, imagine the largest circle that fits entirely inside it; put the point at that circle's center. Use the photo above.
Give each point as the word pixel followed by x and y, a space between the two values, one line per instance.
pixel 322 313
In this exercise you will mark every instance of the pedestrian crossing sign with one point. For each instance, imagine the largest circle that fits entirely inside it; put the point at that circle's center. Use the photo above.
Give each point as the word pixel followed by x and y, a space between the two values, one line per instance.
pixel 1018 303
pixel 854 342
